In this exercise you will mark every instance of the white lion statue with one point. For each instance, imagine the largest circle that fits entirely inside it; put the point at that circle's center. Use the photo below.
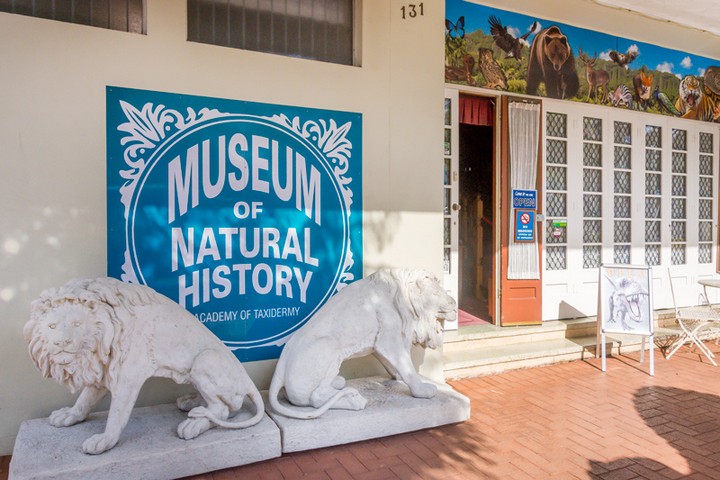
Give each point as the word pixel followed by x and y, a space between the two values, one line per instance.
pixel 103 335
pixel 383 314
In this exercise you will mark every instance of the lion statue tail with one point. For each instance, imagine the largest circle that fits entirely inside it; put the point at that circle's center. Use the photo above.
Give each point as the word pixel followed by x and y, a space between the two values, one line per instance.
pixel 274 393
pixel 259 413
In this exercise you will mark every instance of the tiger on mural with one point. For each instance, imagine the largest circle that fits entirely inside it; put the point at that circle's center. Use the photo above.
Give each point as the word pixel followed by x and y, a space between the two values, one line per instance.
pixel 708 107
pixel 689 94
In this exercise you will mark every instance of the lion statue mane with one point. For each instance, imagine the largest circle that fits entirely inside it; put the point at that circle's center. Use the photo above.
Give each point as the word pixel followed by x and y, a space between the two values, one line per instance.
pixel 102 335
pixel 383 314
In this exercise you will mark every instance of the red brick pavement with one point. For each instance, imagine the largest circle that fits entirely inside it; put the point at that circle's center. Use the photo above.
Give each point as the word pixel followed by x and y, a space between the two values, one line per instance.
pixel 567 421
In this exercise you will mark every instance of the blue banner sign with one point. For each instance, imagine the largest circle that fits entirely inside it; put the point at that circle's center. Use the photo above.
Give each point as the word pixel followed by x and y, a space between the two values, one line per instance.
pixel 249 215
pixel 524 199
pixel 524 225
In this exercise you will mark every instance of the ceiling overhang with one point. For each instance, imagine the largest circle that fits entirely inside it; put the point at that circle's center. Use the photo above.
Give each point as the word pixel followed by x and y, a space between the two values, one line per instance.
pixel 703 15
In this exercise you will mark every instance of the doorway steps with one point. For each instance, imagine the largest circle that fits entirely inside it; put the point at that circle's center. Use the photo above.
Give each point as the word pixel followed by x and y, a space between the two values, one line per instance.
pixel 487 349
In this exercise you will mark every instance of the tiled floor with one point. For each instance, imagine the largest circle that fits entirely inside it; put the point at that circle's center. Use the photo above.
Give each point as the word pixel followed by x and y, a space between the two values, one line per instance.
pixel 566 421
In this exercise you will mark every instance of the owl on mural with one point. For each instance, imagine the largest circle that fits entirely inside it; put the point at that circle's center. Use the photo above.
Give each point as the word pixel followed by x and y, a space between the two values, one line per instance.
pixel 491 70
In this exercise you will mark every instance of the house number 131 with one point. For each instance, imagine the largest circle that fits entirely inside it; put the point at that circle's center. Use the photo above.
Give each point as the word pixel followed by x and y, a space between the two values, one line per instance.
pixel 412 10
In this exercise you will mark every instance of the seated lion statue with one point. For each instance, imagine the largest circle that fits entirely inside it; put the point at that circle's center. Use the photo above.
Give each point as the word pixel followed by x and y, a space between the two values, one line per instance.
pixel 383 314
pixel 103 335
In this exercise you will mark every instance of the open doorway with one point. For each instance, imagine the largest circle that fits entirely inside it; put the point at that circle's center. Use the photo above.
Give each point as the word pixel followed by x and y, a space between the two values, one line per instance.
pixel 476 221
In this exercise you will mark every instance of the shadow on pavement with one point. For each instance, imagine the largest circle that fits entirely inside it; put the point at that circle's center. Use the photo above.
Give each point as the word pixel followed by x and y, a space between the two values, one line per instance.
pixel 687 421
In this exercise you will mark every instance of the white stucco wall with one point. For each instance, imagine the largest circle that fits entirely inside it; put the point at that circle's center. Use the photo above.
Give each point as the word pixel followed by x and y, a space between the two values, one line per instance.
pixel 52 153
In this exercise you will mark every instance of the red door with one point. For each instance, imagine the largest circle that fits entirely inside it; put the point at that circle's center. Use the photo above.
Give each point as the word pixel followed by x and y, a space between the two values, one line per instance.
pixel 520 300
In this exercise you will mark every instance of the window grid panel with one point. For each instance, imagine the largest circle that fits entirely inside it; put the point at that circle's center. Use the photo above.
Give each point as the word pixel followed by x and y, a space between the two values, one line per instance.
pixel 556 258
pixel 652 255
pixel 705 253
pixel 653 160
pixel 622 206
pixel 592 180
pixel 622 231
pixel 446 173
pixel 556 178
pixel 556 125
pixel 653 232
pixel 705 231
pixel 592 231
pixel 592 207
pixel 652 207
pixel 677 254
pixel 706 142
pixel 678 208
pixel 556 152
pixel 592 154
pixel 653 184
pixel 550 231
pixel 622 182
pixel 706 189
pixel 591 256
pixel 705 210
pixel 653 136
pixel 621 254
pixel 678 186
pixel 592 129
pixel 677 231
pixel 556 204
pixel 679 139
pixel 706 165
pixel 679 162
pixel 622 158
pixel 622 133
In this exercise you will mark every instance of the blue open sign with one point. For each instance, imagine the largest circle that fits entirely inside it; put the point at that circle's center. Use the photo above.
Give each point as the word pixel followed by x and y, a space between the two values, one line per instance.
pixel 526 199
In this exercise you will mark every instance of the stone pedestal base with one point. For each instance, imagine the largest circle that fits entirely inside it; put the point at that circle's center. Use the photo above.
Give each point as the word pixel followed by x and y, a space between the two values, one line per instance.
pixel 390 410
pixel 149 448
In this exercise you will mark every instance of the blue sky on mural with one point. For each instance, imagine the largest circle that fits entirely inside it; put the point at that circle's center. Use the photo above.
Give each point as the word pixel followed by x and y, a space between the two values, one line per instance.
pixel 653 57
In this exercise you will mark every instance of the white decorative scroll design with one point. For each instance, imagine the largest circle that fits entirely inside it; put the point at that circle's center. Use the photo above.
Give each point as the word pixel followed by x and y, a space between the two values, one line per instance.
pixel 524 133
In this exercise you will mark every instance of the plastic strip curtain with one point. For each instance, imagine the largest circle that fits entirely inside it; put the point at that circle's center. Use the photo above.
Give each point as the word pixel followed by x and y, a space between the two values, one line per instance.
pixel 524 131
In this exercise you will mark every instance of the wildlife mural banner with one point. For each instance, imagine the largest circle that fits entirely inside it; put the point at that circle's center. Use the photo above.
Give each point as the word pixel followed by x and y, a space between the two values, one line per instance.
pixel 491 48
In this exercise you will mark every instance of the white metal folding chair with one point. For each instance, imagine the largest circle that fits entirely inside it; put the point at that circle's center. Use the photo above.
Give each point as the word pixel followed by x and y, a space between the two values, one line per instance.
pixel 692 321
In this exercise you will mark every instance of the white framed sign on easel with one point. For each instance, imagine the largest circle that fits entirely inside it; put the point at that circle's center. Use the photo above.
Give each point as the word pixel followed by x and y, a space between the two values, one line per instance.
pixel 625 307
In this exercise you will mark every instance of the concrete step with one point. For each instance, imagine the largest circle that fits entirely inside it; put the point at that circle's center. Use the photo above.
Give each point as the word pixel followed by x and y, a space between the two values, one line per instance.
pixel 487 359
pixel 483 336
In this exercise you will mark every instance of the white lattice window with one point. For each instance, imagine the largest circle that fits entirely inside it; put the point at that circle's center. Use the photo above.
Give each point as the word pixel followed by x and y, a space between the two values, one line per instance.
pixel 705 194
pixel 556 179
pixel 653 194
pixel 679 198
pixel 592 192
pixel 622 190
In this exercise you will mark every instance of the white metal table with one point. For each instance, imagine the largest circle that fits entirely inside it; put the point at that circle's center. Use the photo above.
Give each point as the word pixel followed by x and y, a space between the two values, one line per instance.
pixel 708 282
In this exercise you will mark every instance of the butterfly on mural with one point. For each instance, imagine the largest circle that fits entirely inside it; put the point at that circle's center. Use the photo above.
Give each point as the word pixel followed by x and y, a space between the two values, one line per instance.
pixel 457 29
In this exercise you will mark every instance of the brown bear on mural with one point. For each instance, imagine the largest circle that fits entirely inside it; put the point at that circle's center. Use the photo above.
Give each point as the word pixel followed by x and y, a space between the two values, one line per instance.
pixel 552 62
